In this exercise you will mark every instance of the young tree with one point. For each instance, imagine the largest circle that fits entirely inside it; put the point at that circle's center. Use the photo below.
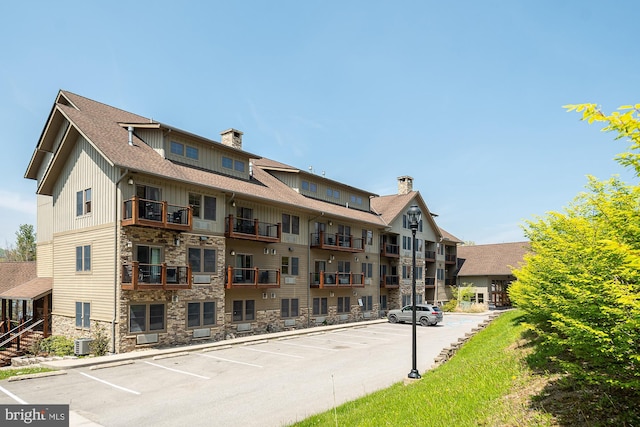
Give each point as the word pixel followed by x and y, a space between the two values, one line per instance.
pixel 25 244
pixel 580 287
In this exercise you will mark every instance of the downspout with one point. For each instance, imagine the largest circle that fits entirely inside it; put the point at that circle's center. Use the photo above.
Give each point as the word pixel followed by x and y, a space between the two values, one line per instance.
pixel 309 269
pixel 115 261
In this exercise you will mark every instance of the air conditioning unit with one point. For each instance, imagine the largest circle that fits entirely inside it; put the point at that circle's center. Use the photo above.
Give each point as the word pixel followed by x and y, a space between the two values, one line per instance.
pixel 81 346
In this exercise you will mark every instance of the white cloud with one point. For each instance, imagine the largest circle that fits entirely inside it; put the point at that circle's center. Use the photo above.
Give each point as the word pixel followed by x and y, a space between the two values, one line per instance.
pixel 18 202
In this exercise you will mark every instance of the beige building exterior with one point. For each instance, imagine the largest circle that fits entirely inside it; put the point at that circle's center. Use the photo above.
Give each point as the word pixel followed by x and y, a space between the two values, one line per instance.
pixel 163 237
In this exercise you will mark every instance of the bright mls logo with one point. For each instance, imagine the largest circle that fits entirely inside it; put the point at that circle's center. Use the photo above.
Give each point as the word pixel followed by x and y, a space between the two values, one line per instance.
pixel 34 415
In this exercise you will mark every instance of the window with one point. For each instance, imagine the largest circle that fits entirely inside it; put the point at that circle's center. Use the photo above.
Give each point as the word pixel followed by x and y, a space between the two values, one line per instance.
pixel 367 237
pixel 383 302
pixel 320 306
pixel 406 300
pixel 419 245
pixel 367 269
pixel 309 186
pixel 227 162
pixel 244 310
pixel 290 265
pixel 405 271
pixel 177 148
pixel 83 315
pixel 290 224
pixel 406 242
pixel 344 304
pixel 418 273
pixel 289 307
pixel 192 152
pixel 146 318
pixel 198 201
pixel 202 260
pixel 201 314
pixel 83 202
pixel 83 258
pixel 333 193
pixel 356 200
pixel 440 273
pixel 367 303
pixel 238 165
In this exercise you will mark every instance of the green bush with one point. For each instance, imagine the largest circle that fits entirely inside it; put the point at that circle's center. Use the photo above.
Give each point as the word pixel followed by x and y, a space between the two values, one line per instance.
pixel 99 345
pixel 57 345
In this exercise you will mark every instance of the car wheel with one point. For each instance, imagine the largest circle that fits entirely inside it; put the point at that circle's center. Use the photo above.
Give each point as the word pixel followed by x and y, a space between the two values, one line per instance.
pixel 393 318
pixel 433 324
pixel 424 321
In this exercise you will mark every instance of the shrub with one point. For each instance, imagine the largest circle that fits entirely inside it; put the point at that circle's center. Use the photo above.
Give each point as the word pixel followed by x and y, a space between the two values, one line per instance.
pixel 57 345
pixel 99 345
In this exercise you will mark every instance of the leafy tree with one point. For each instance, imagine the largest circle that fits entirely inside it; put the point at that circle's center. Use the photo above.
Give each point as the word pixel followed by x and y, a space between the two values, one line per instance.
pixel 25 249
pixel 580 286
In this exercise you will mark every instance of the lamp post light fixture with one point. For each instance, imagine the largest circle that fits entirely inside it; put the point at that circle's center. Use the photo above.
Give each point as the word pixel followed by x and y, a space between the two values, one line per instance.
pixel 414 216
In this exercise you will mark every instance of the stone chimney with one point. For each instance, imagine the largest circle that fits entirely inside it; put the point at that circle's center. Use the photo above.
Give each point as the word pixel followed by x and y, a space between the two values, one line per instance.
pixel 405 184
pixel 232 138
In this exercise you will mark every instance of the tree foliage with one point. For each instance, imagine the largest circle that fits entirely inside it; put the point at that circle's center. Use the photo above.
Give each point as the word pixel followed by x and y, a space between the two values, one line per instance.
pixel 25 249
pixel 580 286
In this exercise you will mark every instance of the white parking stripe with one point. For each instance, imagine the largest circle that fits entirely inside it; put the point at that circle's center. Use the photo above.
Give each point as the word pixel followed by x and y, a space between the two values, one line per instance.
pixel 272 352
pixel 308 346
pixel 361 336
pixel 177 370
pixel 13 396
pixel 227 360
pixel 110 384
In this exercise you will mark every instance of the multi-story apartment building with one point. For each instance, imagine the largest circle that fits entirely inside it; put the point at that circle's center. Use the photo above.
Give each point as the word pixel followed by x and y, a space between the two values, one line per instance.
pixel 165 237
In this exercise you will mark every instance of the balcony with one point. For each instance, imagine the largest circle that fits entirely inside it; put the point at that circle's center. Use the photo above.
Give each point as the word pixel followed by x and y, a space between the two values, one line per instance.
pixel 390 250
pixel 336 279
pixel 137 276
pixel 390 281
pixel 450 259
pixel 152 213
pixel 430 282
pixel 430 256
pixel 252 278
pixel 336 242
pixel 251 229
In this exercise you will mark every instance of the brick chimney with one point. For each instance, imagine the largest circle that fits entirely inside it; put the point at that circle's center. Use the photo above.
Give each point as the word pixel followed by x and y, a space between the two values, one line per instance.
pixel 405 184
pixel 232 138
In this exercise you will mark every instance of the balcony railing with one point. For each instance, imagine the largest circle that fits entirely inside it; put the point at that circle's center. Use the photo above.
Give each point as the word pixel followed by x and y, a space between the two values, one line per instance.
pixel 252 278
pixel 390 250
pixel 390 281
pixel 153 213
pixel 430 282
pixel 252 229
pixel 450 259
pixel 336 242
pixel 139 276
pixel 430 256
pixel 336 279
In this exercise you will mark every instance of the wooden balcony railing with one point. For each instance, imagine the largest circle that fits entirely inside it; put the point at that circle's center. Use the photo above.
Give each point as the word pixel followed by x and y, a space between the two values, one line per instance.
pixel 336 279
pixel 137 276
pixel 450 259
pixel 390 250
pixel 252 229
pixel 430 256
pixel 152 213
pixel 252 277
pixel 336 242
pixel 390 281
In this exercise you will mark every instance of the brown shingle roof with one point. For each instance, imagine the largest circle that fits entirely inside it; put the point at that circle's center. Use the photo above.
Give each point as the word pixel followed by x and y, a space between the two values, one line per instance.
pixel 13 274
pixel 494 259
pixel 33 289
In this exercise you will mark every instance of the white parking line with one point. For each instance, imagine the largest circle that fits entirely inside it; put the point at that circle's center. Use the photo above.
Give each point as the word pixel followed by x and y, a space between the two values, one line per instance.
pixel 227 360
pixel 335 340
pixel 110 384
pixel 361 336
pixel 308 346
pixel 13 396
pixel 272 352
pixel 177 370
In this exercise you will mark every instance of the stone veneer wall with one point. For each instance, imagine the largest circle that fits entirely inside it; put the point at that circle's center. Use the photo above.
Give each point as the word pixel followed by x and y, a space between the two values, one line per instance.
pixel 176 331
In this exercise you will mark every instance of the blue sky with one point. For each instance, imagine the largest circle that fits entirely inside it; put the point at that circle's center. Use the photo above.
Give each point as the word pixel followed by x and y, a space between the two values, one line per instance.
pixel 464 96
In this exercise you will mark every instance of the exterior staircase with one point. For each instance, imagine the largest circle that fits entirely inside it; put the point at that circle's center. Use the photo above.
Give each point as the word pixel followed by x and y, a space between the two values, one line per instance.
pixel 11 350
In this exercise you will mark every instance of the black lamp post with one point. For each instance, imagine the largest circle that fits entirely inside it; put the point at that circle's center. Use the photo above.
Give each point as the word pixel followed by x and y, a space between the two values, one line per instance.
pixel 414 215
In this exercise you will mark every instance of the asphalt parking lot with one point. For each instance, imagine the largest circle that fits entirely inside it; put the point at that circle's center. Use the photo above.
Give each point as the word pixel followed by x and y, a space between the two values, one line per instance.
pixel 266 380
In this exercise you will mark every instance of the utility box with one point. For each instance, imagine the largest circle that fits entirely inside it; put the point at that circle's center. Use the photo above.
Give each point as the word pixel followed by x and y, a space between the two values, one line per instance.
pixel 81 347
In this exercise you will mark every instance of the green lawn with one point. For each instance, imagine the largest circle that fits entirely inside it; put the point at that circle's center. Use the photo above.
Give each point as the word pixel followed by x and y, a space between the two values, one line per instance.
pixel 468 390
pixel 12 372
